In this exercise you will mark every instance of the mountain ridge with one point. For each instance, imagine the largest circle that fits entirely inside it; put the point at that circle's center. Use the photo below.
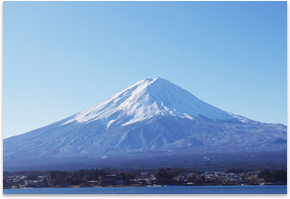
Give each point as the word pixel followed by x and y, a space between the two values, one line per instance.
pixel 151 115
pixel 153 103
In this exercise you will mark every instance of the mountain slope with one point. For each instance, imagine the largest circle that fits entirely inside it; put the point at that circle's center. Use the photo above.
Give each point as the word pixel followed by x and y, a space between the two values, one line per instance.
pixel 151 115
pixel 148 98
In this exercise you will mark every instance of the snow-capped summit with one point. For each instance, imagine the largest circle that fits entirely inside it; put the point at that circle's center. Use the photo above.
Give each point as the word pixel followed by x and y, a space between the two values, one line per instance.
pixel 151 115
pixel 148 98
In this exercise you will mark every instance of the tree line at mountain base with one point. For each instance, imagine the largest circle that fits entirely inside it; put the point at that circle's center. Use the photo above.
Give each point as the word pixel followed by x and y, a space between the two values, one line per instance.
pixel 152 177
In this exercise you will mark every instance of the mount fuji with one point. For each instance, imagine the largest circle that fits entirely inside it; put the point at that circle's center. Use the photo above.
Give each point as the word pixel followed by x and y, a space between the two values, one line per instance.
pixel 151 119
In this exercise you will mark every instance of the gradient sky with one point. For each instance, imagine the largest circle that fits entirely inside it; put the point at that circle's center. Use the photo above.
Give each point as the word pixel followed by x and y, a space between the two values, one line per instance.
pixel 60 58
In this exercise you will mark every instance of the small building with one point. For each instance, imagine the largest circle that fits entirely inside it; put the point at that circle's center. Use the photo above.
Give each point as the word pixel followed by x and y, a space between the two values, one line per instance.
pixel 93 183
pixel 108 180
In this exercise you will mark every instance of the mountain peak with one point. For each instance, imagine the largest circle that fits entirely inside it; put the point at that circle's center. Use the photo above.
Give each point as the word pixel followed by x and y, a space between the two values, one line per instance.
pixel 148 81
pixel 151 115
pixel 148 98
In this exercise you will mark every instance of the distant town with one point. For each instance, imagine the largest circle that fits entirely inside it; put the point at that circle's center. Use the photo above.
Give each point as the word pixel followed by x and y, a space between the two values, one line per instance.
pixel 135 178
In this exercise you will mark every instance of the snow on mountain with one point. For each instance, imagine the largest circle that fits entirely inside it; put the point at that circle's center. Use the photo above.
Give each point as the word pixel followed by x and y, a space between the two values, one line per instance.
pixel 148 98
pixel 151 115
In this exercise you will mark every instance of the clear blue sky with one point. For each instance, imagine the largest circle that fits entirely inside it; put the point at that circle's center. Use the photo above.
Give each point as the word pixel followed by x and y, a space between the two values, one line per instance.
pixel 60 58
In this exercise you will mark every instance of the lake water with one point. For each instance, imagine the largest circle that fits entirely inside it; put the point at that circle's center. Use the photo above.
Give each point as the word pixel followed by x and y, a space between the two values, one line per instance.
pixel 156 190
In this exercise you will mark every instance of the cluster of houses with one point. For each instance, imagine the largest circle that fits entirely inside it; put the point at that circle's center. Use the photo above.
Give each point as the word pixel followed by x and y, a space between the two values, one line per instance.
pixel 21 181
pixel 144 179
pixel 228 178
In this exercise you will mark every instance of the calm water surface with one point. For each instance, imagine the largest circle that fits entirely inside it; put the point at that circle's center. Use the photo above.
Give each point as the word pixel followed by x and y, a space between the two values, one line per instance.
pixel 156 190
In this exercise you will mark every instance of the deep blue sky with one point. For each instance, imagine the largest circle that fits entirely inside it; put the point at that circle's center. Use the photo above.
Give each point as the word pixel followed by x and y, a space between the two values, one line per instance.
pixel 60 58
